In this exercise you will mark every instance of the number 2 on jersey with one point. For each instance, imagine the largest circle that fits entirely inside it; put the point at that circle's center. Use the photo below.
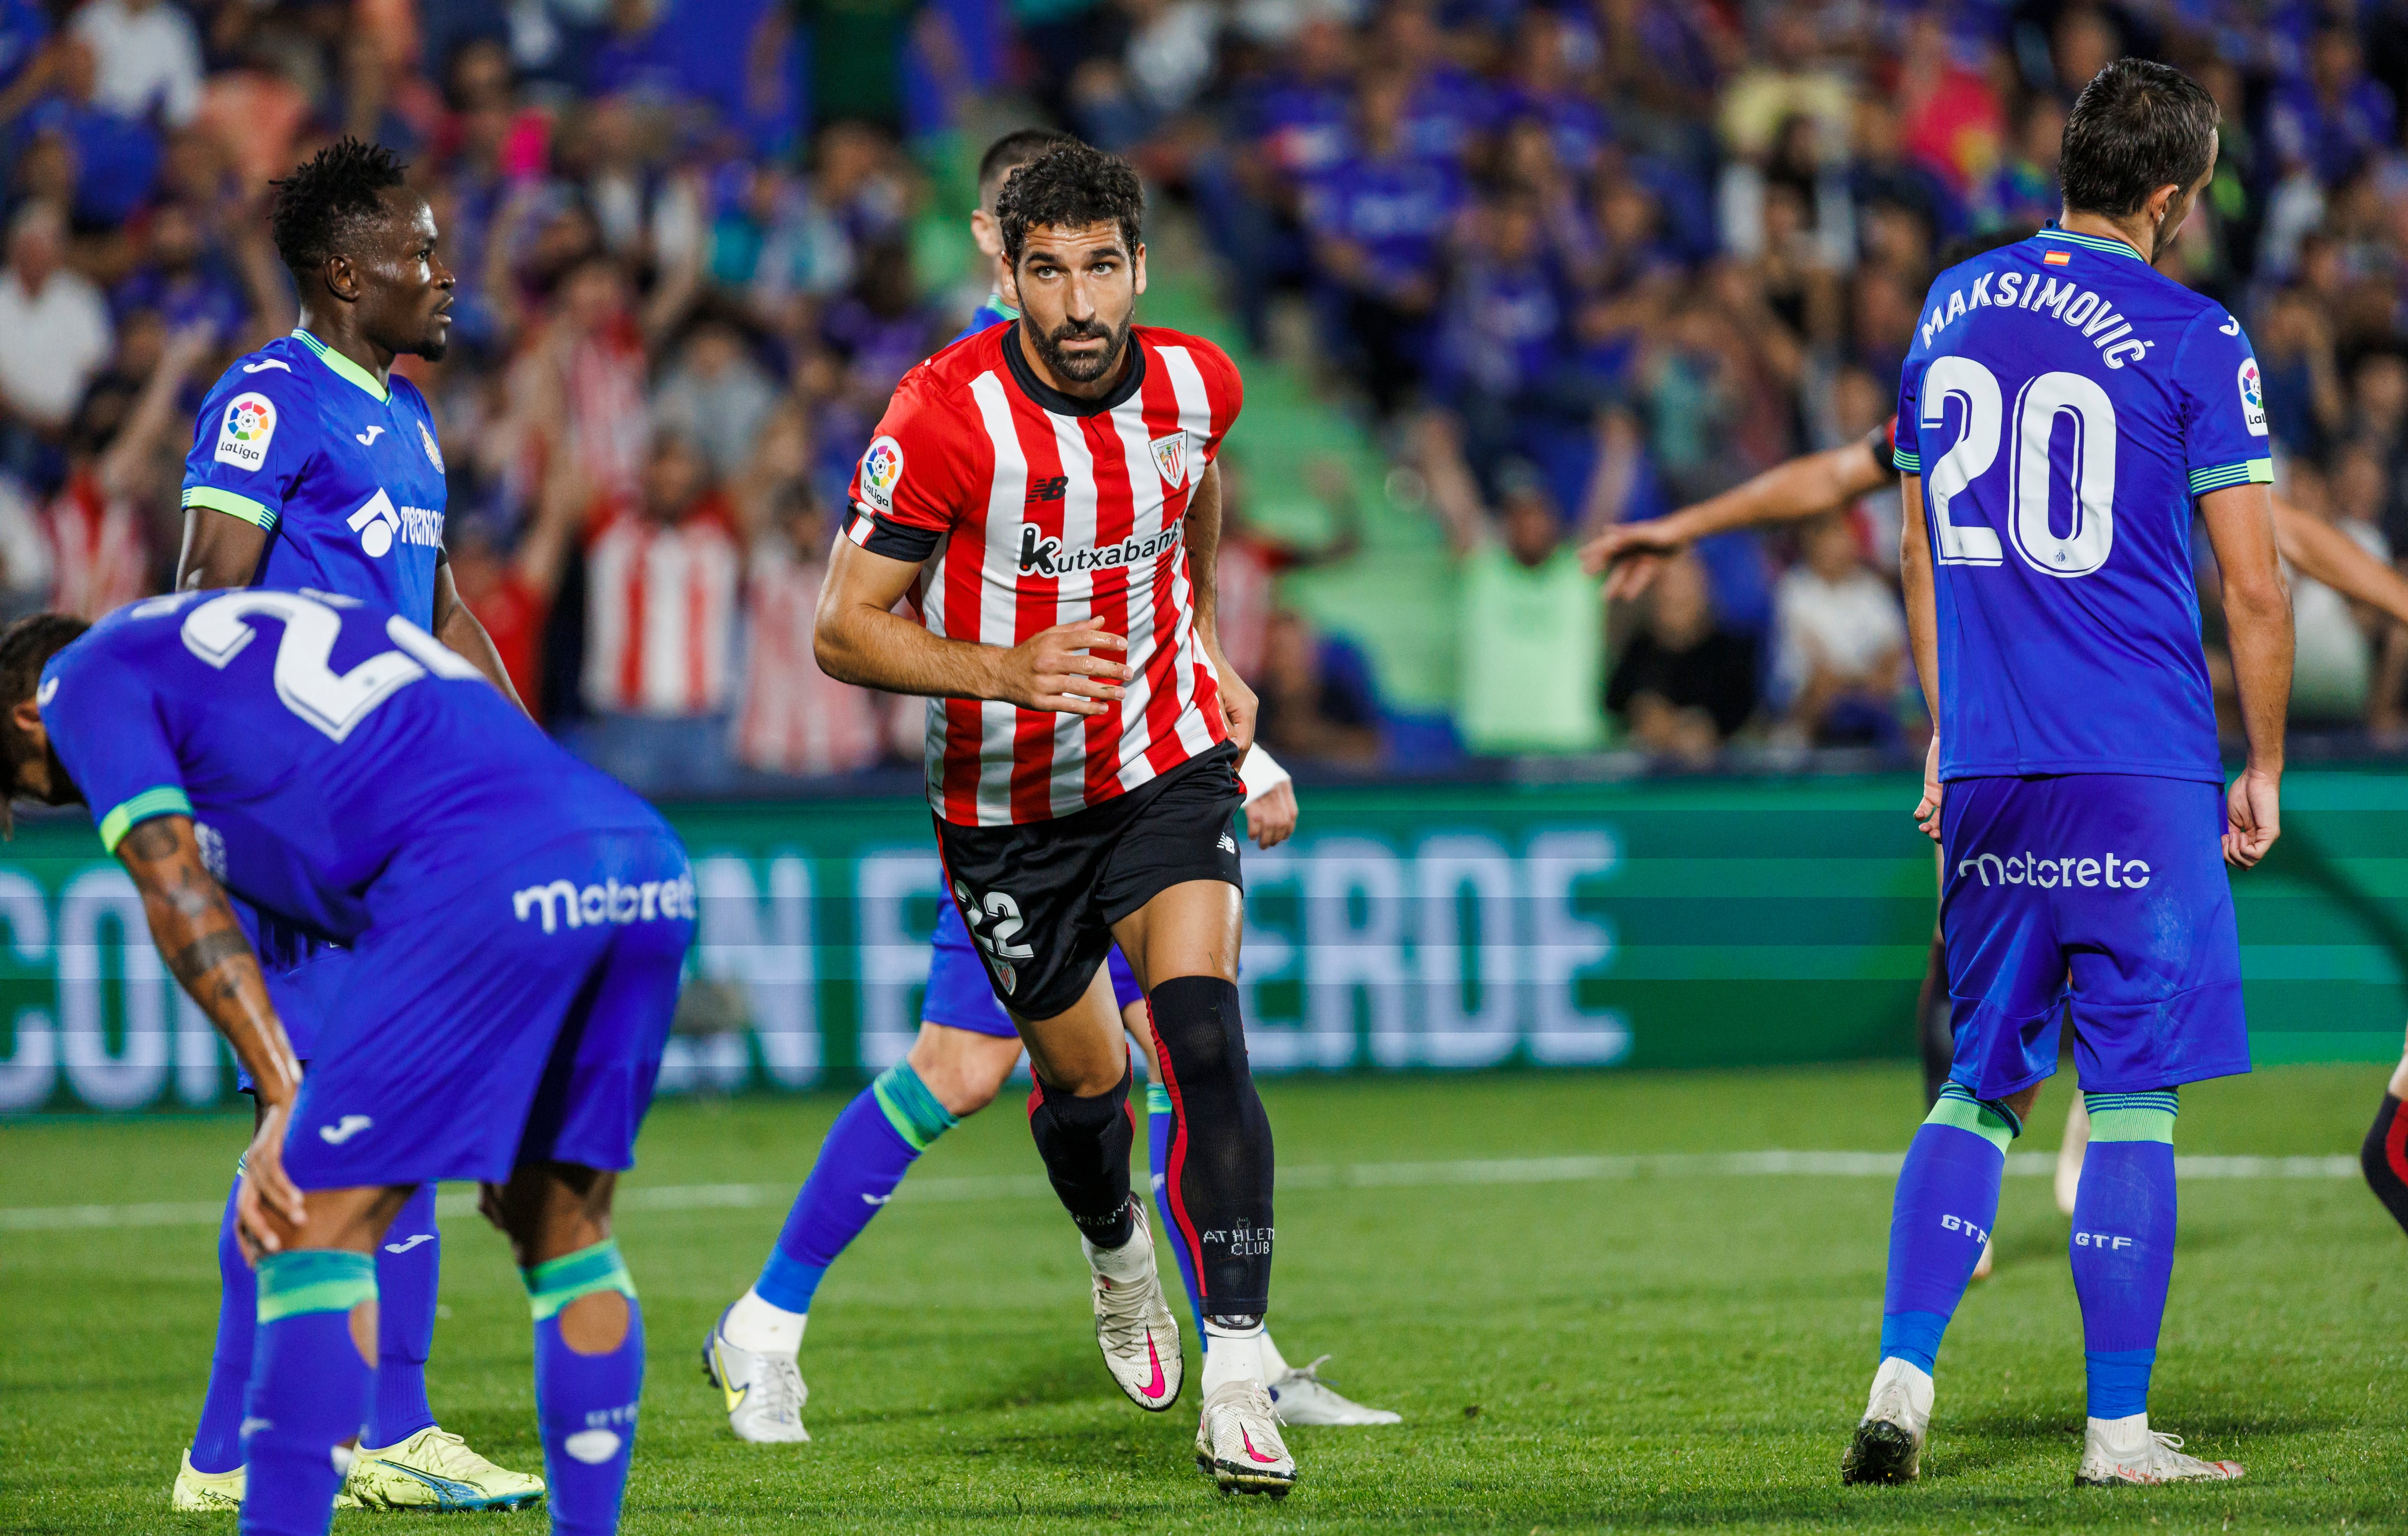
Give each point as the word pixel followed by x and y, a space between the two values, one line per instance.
pixel 217 631
pixel 2039 405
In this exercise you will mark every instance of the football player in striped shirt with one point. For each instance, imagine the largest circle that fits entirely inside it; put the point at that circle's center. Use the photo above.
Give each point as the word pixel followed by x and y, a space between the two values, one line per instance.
pixel 1044 496
pixel 314 466
pixel 966 1050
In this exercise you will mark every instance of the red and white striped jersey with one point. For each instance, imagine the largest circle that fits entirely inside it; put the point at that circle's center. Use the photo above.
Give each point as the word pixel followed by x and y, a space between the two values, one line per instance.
pixel 660 612
pixel 1028 508
pixel 796 719
pixel 99 559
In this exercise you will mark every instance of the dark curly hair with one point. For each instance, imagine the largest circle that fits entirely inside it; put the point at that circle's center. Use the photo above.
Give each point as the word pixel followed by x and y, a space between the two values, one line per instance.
pixel 1065 188
pixel 325 203
pixel 25 647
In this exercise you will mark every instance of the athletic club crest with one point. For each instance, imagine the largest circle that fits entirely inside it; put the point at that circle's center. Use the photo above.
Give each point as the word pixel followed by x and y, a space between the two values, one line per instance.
pixel 1010 978
pixel 1170 457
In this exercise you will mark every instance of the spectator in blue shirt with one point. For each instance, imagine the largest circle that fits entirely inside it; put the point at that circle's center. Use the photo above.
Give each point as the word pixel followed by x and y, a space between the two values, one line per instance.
pixel 2333 119
pixel 182 279
pixel 1378 219
pixel 118 156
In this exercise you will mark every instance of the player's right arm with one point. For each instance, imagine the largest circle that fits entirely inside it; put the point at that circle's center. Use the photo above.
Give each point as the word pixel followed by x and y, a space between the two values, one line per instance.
pixel 860 639
pixel 250 445
pixel 1803 487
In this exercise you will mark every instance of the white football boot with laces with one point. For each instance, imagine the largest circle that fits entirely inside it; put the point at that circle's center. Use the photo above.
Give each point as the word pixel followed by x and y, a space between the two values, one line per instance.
pixel 197 1492
pixel 1239 1441
pixel 2123 1451
pixel 1301 1397
pixel 1888 1444
pixel 764 1390
pixel 1134 1328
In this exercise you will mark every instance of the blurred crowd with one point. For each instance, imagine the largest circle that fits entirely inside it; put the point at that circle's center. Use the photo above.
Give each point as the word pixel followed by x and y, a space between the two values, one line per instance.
pixel 1568 265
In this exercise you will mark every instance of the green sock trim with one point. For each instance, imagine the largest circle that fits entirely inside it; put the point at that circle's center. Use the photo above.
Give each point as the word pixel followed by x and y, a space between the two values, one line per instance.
pixel 2133 1116
pixel 308 1279
pixel 911 1108
pixel 1992 1123
pixel 1157 1098
pixel 556 1282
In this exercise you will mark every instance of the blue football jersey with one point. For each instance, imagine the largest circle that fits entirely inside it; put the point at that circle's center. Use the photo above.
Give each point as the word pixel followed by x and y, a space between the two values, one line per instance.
pixel 343 766
pixel 345 474
pixel 2064 403
pixel 992 313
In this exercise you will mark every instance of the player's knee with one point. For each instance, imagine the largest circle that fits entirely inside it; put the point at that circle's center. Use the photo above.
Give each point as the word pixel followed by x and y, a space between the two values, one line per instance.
pixel 1199 1027
pixel 2020 1102
pixel 962 1070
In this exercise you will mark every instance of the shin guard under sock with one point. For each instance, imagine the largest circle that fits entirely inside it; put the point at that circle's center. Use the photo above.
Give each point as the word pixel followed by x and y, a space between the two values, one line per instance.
pixel 1947 1198
pixel 1160 1121
pixel 408 1265
pixel 585 1405
pixel 2385 1158
pixel 1218 1177
pixel 2123 1244
pixel 309 1389
pixel 216 1442
pixel 1084 1143
pixel 873 1143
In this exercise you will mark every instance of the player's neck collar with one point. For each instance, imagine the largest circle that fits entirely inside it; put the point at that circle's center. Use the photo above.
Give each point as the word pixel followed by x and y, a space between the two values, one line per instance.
pixel 994 303
pixel 2090 242
pixel 344 367
pixel 1053 399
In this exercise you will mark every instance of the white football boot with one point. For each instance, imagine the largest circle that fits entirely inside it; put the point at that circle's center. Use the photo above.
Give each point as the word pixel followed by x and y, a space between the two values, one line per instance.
pixel 1134 1328
pixel 2118 1452
pixel 1888 1444
pixel 1301 1397
pixel 1239 1441
pixel 765 1389
pixel 197 1491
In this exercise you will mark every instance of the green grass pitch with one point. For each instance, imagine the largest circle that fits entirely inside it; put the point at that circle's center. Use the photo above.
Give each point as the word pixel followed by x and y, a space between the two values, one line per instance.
pixel 1680 1349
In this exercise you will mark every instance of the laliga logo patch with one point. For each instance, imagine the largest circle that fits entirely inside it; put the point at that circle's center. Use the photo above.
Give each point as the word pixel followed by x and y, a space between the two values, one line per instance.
pixel 881 470
pixel 1170 457
pixel 2253 398
pixel 246 430
pixel 434 454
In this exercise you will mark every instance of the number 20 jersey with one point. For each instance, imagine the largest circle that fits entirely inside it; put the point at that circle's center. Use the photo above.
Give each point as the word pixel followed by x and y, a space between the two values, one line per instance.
pixel 344 766
pixel 2064 403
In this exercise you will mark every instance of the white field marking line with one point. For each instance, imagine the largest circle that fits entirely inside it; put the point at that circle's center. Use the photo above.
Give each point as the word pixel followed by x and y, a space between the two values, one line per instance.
pixel 1497 1171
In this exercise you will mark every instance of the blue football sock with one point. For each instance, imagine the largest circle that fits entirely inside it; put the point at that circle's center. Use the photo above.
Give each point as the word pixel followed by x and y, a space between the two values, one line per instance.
pixel 216 1443
pixel 407 1263
pixel 871 1147
pixel 2124 1244
pixel 1159 1121
pixel 308 1389
pixel 585 1405
pixel 1947 1198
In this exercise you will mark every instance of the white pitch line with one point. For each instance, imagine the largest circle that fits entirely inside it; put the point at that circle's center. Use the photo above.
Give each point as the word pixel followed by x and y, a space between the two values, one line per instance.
pixel 1488 1171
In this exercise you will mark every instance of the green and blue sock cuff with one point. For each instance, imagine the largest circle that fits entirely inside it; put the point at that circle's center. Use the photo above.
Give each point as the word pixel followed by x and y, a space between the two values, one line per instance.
pixel 1988 1119
pixel 308 1279
pixel 2145 1117
pixel 556 1282
pixel 911 1108
pixel 1157 1098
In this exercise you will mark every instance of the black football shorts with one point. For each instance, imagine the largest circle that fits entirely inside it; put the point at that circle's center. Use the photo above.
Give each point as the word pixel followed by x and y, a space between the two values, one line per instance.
pixel 1039 898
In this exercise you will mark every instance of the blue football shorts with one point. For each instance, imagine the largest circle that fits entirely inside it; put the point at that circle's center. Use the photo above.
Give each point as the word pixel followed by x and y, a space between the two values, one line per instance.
pixel 2106 892
pixel 518 1017
pixel 960 996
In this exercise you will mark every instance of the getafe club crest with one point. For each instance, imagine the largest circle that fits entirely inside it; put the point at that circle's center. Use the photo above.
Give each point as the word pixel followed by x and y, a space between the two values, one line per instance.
pixel 1170 457
pixel 434 454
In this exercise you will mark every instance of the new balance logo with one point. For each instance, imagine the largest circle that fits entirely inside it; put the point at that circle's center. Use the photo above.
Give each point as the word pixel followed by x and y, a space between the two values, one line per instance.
pixel 368 438
pixel 609 902
pixel 344 1129
pixel 413 1241
pixel 1228 844
pixel 1053 488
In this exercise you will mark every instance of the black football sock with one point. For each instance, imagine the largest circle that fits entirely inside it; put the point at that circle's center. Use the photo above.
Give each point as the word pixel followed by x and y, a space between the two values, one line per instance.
pixel 1218 1182
pixel 1085 1145
pixel 2385 1158
pixel 1934 1015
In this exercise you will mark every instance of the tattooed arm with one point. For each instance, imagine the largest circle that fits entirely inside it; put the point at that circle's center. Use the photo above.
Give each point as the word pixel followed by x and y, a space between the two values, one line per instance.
pixel 200 939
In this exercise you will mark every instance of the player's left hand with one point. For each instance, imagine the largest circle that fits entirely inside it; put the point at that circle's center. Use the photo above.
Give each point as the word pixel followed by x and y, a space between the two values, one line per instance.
pixel 1270 816
pixel 268 1199
pixel 2252 817
pixel 1239 706
pixel 1926 810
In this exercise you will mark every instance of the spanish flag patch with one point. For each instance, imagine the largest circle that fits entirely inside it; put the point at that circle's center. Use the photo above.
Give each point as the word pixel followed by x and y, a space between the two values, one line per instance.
pixel 2057 258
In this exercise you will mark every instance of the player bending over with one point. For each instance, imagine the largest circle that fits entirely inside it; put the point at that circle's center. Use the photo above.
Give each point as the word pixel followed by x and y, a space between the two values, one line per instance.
pixel 967 1046
pixel 519 921
pixel 1034 490
pixel 314 466
pixel 2066 405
